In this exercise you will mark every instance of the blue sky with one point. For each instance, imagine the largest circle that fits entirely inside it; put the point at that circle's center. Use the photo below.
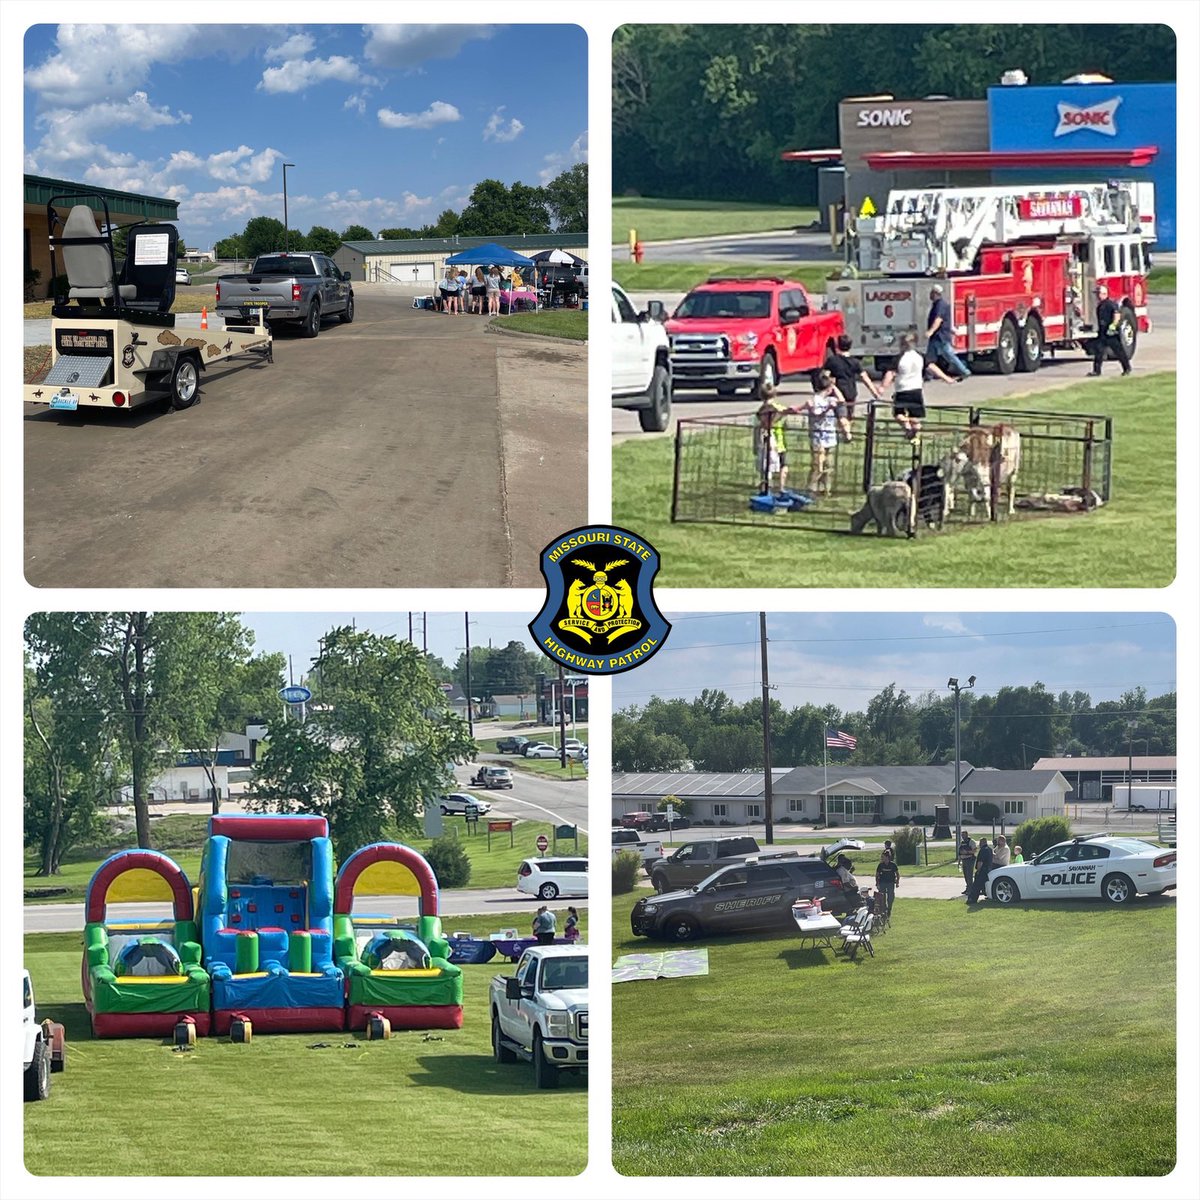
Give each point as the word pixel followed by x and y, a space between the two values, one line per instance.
pixel 297 634
pixel 846 658
pixel 387 124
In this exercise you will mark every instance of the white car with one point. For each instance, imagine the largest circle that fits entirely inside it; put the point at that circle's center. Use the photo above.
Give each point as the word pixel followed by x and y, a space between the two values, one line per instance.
pixel 182 275
pixel 544 751
pixel 1100 867
pixel 459 802
pixel 547 878
pixel 641 362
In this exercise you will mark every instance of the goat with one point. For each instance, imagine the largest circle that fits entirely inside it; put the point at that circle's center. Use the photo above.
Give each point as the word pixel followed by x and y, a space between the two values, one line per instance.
pixel 990 460
pixel 887 505
pixel 929 484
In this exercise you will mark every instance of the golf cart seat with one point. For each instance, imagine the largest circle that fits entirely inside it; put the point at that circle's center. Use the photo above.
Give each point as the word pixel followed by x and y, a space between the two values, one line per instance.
pixel 87 257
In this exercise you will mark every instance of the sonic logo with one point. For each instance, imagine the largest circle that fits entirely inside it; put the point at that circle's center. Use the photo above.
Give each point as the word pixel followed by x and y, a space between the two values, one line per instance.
pixel 1099 118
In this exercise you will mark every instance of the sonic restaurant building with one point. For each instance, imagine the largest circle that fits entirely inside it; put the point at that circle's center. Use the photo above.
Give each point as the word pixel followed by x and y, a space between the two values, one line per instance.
pixel 1021 134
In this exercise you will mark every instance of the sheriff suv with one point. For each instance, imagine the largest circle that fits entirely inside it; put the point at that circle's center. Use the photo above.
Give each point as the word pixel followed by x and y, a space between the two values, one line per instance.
pixel 732 334
pixel 753 895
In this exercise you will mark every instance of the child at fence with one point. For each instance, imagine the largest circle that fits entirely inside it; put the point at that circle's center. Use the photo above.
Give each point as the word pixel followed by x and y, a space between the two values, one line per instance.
pixel 770 440
pixel 826 412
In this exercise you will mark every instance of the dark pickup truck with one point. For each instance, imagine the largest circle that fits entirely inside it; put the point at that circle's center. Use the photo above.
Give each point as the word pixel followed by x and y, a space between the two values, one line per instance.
pixel 301 289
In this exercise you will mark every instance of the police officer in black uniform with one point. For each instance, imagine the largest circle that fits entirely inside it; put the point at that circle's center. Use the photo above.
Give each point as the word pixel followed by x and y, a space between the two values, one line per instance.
pixel 1108 333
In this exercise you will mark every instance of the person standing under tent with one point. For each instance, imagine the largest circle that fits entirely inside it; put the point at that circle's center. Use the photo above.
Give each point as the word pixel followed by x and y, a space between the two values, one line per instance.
pixel 463 284
pixel 492 284
pixel 478 291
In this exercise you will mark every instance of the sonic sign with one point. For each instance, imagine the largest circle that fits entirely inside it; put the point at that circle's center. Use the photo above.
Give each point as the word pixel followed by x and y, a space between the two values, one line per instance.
pixel 1099 118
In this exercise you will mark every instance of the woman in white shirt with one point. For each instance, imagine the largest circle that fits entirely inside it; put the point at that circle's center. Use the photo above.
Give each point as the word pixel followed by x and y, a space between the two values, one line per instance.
pixel 493 291
pixel 908 404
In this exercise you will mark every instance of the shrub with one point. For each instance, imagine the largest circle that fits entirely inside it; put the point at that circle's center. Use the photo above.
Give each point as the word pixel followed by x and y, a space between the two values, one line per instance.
pixel 987 812
pixel 448 858
pixel 905 842
pixel 1040 833
pixel 625 867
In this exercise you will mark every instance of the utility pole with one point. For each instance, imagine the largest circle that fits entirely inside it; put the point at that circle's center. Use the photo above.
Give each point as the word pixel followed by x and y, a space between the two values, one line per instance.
pixel 562 719
pixel 954 686
pixel 766 725
pixel 424 633
pixel 410 641
pixel 470 709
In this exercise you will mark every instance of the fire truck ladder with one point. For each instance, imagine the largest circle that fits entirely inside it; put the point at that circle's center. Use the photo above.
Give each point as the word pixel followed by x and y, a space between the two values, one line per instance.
pixel 954 223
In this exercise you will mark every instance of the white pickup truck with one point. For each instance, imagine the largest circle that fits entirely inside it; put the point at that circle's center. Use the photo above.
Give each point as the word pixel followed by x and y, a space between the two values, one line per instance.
pixel 649 850
pixel 641 362
pixel 45 1047
pixel 540 1015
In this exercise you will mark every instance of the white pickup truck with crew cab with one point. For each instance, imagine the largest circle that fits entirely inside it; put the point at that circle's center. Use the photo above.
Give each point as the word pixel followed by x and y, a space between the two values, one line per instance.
pixel 649 850
pixel 540 1014
pixel 45 1047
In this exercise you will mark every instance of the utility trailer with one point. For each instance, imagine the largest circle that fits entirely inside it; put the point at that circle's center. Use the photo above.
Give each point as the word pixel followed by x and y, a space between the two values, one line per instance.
pixel 113 339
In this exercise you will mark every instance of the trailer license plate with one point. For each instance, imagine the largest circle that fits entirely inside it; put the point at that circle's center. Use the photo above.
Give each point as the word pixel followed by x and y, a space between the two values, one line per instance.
pixel 251 308
pixel 65 399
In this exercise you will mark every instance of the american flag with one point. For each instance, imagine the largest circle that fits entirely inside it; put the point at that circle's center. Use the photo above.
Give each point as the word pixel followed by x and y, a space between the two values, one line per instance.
pixel 836 739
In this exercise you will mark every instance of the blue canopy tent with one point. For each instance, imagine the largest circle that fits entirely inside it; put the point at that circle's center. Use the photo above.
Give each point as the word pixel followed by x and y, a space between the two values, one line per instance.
pixel 490 253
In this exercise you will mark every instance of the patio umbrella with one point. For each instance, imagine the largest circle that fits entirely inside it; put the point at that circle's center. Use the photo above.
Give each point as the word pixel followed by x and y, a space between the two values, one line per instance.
pixel 559 256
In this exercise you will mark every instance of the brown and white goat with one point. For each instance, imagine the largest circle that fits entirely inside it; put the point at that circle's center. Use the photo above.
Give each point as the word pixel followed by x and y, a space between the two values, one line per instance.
pixel 984 464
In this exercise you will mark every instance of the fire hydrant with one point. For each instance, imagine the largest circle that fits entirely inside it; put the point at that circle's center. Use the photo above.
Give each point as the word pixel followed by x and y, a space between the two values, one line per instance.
pixel 639 252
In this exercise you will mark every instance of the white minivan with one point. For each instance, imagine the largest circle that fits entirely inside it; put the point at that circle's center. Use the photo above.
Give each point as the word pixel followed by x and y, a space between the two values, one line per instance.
pixel 548 878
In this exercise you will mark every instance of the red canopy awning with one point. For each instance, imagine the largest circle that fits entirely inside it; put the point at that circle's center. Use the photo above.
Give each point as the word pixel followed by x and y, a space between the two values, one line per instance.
pixel 811 155
pixel 999 160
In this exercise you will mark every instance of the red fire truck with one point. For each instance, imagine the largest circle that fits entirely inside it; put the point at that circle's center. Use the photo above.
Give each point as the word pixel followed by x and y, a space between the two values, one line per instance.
pixel 1019 267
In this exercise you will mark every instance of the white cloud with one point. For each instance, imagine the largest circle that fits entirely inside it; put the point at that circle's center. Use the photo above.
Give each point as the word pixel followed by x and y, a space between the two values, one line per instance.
pixel 557 163
pixel 408 46
pixel 301 73
pixel 949 622
pixel 496 131
pixel 243 165
pixel 356 102
pixel 351 208
pixel 438 113
pixel 296 46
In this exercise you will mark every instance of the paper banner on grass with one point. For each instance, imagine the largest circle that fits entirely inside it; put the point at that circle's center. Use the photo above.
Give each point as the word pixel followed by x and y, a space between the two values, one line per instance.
pixel 666 964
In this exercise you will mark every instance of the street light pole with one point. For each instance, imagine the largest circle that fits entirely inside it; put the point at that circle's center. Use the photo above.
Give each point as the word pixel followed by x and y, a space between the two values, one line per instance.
pixel 953 684
pixel 285 212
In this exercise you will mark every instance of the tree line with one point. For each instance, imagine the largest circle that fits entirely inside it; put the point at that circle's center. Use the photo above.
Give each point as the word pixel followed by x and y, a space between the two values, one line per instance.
pixel 1009 730
pixel 113 698
pixel 703 111
pixel 494 210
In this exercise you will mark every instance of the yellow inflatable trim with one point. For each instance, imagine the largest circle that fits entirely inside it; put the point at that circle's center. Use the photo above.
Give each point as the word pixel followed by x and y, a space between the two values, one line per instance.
pixel 139 926
pixel 412 972
pixel 140 979
pixel 387 878
pixel 138 883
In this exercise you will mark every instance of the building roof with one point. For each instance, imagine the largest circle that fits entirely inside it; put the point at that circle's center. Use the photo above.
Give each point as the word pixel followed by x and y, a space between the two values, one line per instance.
pixel 518 241
pixel 711 784
pixel 1007 783
pixel 897 780
pixel 1152 762
pixel 40 188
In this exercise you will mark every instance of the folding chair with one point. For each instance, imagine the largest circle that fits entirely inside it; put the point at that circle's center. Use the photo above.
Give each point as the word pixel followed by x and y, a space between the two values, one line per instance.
pixel 860 936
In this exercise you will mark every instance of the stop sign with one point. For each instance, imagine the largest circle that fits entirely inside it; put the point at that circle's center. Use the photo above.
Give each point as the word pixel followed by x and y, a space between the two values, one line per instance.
pixel 543 843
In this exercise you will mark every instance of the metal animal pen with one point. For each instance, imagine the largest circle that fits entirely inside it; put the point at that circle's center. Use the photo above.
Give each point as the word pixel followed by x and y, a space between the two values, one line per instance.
pixel 1065 467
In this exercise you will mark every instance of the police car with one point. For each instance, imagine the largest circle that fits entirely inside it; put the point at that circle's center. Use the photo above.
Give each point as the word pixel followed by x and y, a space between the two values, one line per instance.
pixel 1101 866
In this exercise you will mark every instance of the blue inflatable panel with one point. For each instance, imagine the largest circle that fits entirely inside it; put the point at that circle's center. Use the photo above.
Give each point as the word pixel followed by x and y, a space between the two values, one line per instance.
pixel 279 991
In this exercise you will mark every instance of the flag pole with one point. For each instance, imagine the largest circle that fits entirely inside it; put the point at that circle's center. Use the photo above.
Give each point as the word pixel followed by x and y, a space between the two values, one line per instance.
pixel 825 756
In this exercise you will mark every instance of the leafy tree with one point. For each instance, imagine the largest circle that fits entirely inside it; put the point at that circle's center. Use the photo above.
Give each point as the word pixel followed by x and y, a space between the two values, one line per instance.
pixel 230 247
pixel 567 200
pixel 450 862
pixel 262 235
pixel 636 748
pixel 398 235
pixel 1001 726
pixel 375 746
pixel 729 748
pixel 498 211
pixel 297 241
pixel 357 233
pixel 322 239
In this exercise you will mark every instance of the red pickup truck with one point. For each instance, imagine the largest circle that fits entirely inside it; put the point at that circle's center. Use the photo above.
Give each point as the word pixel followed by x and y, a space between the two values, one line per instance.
pixel 740 333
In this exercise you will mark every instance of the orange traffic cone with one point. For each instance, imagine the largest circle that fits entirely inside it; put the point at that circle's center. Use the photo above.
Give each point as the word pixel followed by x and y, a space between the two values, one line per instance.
pixel 204 318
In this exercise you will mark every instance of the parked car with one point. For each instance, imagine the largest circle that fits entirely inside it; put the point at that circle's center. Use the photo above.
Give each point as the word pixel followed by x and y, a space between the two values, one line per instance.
pixel 457 803
pixel 1100 866
pixel 547 878
pixel 635 820
pixel 694 861
pixel 528 751
pixel 641 362
pixel 45 1047
pixel 658 822
pixel 182 275
pixel 511 745
pixel 543 751
pixel 748 896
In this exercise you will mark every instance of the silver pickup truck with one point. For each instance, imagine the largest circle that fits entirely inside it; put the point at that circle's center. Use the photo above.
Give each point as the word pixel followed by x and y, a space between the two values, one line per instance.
pixel 302 288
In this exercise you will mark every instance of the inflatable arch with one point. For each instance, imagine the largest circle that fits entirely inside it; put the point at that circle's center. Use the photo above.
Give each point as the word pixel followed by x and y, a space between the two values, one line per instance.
pixel 411 997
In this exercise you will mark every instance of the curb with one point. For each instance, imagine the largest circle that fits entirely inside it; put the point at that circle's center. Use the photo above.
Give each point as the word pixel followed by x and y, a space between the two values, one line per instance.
pixel 500 331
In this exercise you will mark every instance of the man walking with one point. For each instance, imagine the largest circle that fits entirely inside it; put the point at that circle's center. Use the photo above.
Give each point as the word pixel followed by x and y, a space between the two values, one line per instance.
pixel 939 334
pixel 983 867
pixel 887 878
pixel 966 858
pixel 1108 333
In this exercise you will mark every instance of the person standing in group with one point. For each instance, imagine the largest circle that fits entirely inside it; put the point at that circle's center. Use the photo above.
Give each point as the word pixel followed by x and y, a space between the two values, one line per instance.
pixel 983 867
pixel 545 923
pixel 478 291
pixel 1017 856
pixel 966 858
pixel 450 287
pixel 571 928
pixel 1001 852
pixel 826 412
pixel 939 334
pixel 887 879
pixel 908 403
pixel 463 285
pixel 492 286
pixel 1108 333
pixel 847 372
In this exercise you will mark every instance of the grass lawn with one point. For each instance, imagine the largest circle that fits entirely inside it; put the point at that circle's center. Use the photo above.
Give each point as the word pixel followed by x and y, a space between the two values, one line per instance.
pixel 683 276
pixel 182 838
pixel 570 323
pixel 1130 543
pixel 146 1110
pixel 190 299
pixel 664 220
pixel 970 1044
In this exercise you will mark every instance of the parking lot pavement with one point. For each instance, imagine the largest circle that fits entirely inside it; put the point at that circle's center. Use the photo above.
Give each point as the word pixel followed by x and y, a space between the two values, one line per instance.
pixel 405 450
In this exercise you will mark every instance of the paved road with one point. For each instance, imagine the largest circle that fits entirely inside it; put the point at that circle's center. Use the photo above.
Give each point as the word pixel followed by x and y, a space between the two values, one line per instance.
pixel 780 245
pixel 533 797
pixel 408 449
pixel 68 918
pixel 1155 352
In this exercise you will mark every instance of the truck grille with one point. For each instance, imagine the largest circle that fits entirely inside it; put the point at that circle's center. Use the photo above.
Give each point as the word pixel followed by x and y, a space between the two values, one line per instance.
pixel 696 352
pixel 581 1027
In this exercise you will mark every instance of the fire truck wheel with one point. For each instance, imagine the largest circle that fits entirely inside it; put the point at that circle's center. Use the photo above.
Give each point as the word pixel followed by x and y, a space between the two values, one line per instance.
pixel 1007 347
pixel 1032 346
pixel 185 382
pixel 1127 331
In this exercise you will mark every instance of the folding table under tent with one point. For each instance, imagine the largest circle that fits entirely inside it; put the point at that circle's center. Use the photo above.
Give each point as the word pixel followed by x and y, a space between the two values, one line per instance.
pixel 491 253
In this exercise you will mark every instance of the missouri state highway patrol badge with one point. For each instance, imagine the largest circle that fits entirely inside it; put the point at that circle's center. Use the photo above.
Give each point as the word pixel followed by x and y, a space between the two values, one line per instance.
pixel 599 616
